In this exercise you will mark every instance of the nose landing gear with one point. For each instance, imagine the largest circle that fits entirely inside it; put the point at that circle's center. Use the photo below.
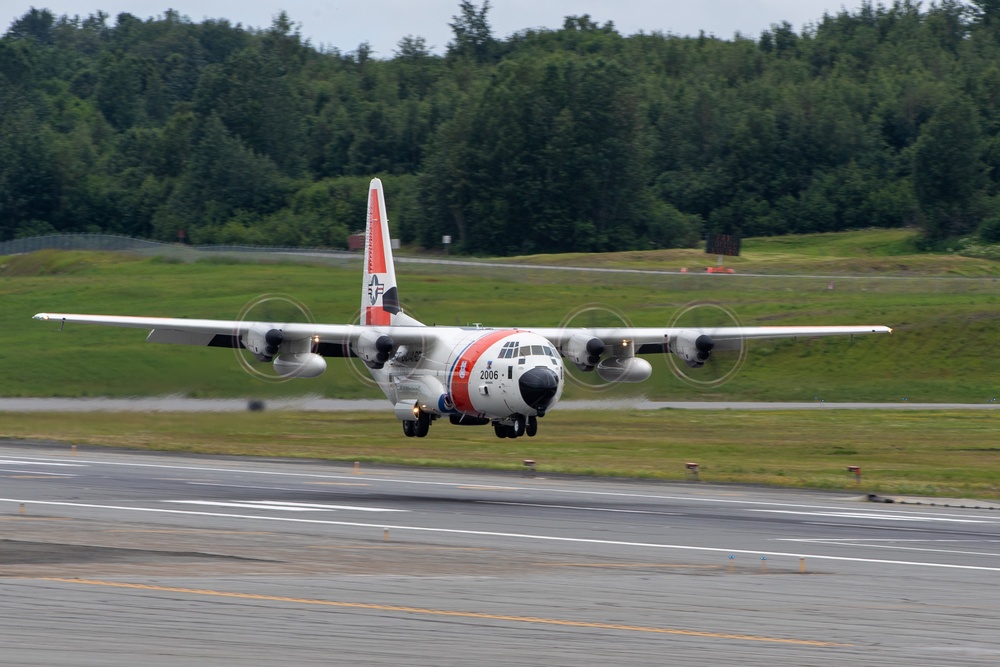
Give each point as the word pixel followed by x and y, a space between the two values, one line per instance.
pixel 519 425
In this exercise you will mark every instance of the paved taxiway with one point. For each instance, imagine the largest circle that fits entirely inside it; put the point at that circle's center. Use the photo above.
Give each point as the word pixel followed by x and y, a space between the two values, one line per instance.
pixel 155 559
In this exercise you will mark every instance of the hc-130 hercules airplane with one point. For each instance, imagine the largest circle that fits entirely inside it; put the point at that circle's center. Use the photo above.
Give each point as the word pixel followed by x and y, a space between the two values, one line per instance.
pixel 507 377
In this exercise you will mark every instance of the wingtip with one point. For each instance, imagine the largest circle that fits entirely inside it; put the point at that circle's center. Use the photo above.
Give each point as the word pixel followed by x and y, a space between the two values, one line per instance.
pixel 41 316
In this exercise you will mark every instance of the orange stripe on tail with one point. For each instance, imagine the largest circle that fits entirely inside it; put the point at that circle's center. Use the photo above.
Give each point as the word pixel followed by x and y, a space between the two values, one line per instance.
pixel 379 300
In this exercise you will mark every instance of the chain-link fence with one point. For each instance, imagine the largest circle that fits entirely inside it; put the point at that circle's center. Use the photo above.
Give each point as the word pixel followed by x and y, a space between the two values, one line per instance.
pixel 114 243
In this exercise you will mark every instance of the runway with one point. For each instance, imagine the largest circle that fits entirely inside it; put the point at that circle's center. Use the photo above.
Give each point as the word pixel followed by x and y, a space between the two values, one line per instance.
pixel 114 557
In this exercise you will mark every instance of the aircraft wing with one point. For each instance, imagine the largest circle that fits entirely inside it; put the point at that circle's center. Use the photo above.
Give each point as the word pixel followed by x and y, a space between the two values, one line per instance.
pixel 648 340
pixel 333 340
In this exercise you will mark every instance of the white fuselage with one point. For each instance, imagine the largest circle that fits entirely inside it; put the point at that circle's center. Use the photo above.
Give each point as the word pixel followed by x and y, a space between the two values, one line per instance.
pixel 482 373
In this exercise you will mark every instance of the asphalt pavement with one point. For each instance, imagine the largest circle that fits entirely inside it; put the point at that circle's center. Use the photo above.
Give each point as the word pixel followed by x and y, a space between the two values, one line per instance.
pixel 113 557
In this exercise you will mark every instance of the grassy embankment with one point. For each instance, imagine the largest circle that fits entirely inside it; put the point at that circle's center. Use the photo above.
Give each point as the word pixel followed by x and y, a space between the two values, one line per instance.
pixel 945 331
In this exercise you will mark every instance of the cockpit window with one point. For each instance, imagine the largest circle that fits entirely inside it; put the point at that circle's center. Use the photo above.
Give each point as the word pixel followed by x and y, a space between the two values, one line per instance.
pixel 527 351
pixel 509 349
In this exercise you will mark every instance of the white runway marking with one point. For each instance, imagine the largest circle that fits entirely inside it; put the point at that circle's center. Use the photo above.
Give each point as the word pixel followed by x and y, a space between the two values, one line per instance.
pixel 258 506
pixel 284 506
pixel 846 514
pixel 20 462
pixel 355 508
pixel 901 545
pixel 524 536
pixel 37 472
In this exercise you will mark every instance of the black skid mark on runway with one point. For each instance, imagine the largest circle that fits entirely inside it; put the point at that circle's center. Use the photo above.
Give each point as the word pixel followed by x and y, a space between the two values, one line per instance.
pixel 16 552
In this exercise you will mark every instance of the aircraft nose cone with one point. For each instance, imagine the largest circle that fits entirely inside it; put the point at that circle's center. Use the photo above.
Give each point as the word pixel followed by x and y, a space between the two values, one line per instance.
pixel 538 386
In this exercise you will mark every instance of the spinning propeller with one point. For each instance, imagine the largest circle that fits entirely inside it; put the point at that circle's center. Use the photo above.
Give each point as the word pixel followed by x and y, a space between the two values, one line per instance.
pixel 699 354
pixel 592 316
pixel 271 312
pixel 714 360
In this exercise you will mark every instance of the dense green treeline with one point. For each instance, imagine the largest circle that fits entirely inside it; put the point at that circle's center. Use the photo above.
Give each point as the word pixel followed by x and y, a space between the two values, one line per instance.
pixel 578 139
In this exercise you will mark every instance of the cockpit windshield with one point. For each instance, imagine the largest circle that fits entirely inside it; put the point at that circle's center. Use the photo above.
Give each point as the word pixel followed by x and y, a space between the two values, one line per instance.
pixel 513 349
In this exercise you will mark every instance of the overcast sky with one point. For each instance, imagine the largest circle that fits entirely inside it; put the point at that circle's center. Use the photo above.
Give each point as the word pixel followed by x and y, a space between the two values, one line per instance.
pixel 345 24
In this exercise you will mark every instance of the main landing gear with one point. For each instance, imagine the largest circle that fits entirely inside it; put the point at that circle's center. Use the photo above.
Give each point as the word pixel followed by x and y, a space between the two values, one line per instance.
pixel 519 425
pixel 419 427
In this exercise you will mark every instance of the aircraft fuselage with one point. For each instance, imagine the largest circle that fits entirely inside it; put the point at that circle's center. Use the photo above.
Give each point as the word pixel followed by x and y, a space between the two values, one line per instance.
pixel 478 373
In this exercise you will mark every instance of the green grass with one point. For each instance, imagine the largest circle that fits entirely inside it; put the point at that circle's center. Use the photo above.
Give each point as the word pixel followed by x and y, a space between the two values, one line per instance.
pixel 868 252
pixel 924 453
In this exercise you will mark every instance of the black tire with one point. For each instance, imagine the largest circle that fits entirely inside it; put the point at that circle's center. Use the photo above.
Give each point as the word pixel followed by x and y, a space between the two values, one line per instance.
pixel 408 428
pixel 531 427
pixel 422 425
pixel 500 430
pixel 517 426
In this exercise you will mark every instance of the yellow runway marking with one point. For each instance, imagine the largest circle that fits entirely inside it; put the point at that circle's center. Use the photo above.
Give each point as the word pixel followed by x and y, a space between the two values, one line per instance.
pixel 400 548
pixel 446 612
pixel 672 565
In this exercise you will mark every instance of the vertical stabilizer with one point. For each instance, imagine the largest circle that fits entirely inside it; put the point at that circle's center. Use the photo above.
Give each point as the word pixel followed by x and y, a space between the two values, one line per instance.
pixel 379 298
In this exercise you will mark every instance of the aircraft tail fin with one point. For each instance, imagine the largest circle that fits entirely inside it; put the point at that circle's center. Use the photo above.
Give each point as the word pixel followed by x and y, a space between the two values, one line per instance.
pixel 379 297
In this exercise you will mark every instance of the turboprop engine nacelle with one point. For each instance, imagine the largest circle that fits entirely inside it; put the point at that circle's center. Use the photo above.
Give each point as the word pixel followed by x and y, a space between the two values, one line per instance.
pixel 263 340
pixel 624 369
pixel 374 348
pixel 693 348
pixel 299 365
pixel 584 351
pixel 433 398
pixel 422 393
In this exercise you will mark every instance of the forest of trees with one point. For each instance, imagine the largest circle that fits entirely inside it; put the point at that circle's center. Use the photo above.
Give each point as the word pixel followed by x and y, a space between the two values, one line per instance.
pixel 577 139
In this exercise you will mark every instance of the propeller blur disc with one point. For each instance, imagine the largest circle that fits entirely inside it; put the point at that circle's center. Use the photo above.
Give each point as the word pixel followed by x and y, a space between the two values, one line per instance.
pixel 723 364
pixel 361 372
pixel 592 316
pixel 277 309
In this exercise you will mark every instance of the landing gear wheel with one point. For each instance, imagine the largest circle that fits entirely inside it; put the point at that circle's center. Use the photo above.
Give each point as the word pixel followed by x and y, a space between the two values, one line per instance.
pixel 500 430
pixel 517 426
pixel 422 425
pixel 531 428
pixel 409 428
